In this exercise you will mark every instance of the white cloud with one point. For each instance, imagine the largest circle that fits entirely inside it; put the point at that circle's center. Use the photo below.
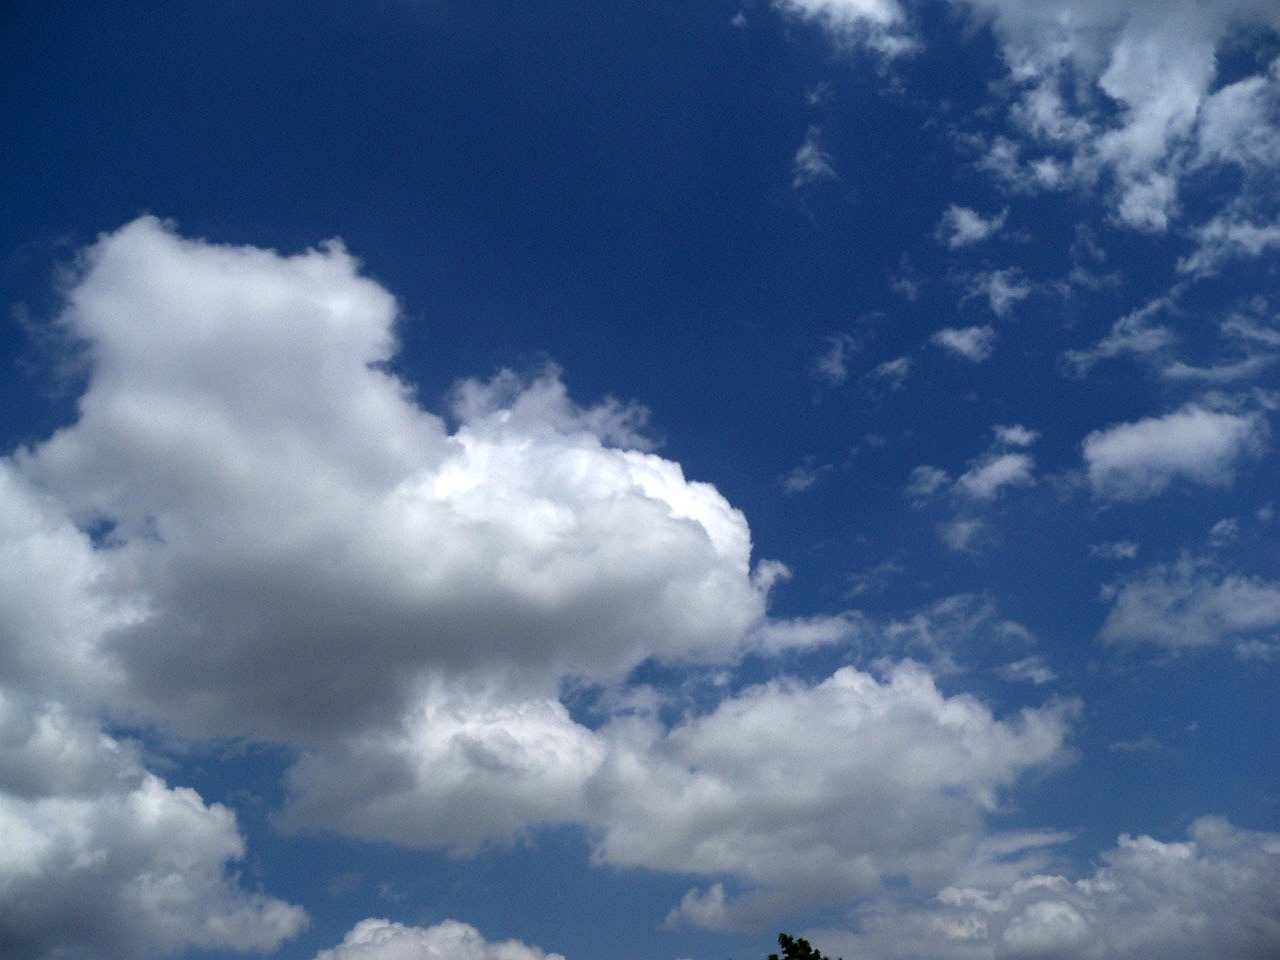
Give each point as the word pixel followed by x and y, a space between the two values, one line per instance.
pixel 1125 89
pixel 1003 289
pixel 812 164
pixel 311 539
pixel 815 795
pixel 376 939
pixel 972 343
pixel 1191 603
pixel 925 481
pixel 987 478
pixel 891 373
pixel 102 859
pixel 964 226
pixel 1134 333
pixel 960 533
pixel 1029 669
pixel 1015 435
pixel 831 367
pixel 1130 461
pixel 286 547
pixel 1215 894
pixel 876 24
pixel 1114 550
pixel 1226 236
pixel 803 476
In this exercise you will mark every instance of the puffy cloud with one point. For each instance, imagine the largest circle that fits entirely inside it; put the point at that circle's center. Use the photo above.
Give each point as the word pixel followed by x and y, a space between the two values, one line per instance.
pixel 1140 459
pixel 465 766
pixel 375 939
pixel 102 859
pixel 986 479
pixel 713 795
pixel 1133 333
pixel 964 226
pixel 812 164
pixel 1217 894
pixel 972 343
pixel 816 795
pixel 299 542
pixel 251 529
pixel 1015 435
pixel 1191 603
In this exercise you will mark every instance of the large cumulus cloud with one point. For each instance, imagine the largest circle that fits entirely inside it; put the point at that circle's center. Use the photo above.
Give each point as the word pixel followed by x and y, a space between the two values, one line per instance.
pixel 301 541
pixel 253 529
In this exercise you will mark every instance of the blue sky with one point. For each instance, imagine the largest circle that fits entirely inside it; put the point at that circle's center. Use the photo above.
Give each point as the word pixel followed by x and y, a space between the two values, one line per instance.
pixel 489 481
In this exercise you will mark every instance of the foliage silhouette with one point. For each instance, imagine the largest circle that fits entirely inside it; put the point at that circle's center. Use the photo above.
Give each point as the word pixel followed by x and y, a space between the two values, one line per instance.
pixel 797 948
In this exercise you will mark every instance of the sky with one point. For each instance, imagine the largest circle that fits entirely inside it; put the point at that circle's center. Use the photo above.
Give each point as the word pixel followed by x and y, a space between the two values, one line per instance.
pixel 576 481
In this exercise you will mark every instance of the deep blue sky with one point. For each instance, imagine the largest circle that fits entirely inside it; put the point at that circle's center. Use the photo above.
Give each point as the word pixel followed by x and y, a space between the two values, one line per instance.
pixel 969 309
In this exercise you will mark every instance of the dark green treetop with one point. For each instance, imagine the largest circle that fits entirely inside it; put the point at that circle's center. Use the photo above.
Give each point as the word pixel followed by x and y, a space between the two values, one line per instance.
pixel 796 948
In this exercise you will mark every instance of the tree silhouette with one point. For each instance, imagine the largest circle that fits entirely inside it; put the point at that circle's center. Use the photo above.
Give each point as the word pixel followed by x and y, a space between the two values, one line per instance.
pixel 796 948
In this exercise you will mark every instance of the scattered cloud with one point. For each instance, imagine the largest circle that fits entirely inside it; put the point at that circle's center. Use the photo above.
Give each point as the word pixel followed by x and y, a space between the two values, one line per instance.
pixel 1191 603
pixel 1114 550
pixel 925 481
pixel 1131 461
pixel 1003 289
pixel 878 25
pixel 803 477
pixel 890 375
pixel 812 164
pixel 1134 333
pixel 1217 894
pixel 959 534
pixel 1029 670
pixel 972 343
pixel 1015 435
pixel 964 226
pixel 831 367
pixel 987 478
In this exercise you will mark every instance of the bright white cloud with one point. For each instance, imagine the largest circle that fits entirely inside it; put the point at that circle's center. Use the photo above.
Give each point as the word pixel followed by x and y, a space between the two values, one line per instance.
pixel 1191 603
pixel 964 226
pixel 1215 894
pixel 877 24
pixel 102 859
pixel 1130 461
pixel 375 939
pixel 972 343
pixel 314 540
